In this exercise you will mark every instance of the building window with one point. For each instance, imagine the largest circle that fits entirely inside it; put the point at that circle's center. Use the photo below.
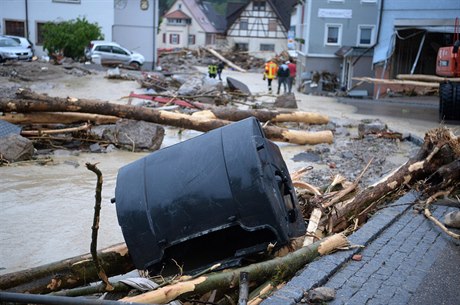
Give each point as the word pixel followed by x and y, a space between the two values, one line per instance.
pixel 39 27
pixel 174 38
pixel 258 5
pixel 365 35
pixel 241 46
pixel 267 47
pixel 333 35
pixel 164 37
pixel 272 25
pixel 243 24
pixel 15 28
pixel 210 39
pixel 191 39
pixel 67 1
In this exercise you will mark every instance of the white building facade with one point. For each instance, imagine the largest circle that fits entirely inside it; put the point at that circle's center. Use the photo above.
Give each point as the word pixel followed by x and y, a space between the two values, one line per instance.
pixel 131 23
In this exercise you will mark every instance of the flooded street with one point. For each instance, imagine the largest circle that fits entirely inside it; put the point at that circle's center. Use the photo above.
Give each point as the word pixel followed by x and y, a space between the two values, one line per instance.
pixel 47 211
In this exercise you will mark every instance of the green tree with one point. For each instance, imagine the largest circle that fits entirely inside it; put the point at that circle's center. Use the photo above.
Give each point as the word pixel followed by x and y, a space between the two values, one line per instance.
pixel 70 37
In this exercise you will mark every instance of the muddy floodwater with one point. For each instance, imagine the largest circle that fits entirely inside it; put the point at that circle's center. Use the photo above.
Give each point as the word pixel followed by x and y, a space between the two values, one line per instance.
pixel 46 211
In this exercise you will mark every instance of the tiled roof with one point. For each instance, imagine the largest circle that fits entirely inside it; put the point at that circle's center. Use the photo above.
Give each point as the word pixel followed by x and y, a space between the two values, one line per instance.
pixel 178 14
pixel 200 13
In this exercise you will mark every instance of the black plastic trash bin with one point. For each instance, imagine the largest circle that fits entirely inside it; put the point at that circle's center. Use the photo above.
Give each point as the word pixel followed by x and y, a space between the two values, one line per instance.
pixel 449 101
pixel 219 196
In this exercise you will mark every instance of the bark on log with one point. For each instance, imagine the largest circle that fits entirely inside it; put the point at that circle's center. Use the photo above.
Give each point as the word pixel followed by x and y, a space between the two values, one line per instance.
pixel 426 78
pixel 57 118
pixel 232 114
pixel 282 268
pixel 68 273
pixel 34 102
pixel 441 147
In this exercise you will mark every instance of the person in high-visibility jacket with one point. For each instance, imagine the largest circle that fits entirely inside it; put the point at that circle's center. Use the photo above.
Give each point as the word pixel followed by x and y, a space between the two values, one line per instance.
pixel 212 70
pixel 270 71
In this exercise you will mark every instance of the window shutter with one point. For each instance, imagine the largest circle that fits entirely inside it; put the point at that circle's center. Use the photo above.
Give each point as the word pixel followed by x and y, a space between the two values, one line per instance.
pixel 164 37
pixel 178 39
pixel 170 38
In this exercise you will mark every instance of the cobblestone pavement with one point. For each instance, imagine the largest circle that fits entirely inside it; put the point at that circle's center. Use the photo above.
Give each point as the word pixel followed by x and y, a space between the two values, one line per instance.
pixel 400 248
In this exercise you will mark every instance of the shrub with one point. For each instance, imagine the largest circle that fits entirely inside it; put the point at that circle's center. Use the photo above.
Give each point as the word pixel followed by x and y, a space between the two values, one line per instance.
pixel 70 38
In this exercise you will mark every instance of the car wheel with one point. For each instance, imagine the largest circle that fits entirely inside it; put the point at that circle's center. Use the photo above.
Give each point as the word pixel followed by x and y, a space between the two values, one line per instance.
pixel 135 65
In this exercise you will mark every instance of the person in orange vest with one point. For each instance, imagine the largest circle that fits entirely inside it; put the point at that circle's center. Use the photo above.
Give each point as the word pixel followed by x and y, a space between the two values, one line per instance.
pixel 270 71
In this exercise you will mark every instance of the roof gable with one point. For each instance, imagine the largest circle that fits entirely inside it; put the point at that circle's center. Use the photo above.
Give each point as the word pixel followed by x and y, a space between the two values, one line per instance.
pixel 282 9
pixel 177 14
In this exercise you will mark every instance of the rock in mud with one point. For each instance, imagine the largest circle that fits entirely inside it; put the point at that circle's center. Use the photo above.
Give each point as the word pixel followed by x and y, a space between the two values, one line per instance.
pixel 286 101
pixel 15 147
pixel 192 86
pixel 132 134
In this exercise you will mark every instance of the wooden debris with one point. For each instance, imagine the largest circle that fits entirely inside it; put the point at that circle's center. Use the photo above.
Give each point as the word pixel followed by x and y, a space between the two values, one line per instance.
pixel 282 267
pixel 57 118
pixel 228 62
pixel 33 102
pixel 426 78
pixel 397 82
pixel 68 273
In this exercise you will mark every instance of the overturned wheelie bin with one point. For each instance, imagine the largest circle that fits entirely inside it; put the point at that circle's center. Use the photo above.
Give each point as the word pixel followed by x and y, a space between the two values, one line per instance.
pixel 218 197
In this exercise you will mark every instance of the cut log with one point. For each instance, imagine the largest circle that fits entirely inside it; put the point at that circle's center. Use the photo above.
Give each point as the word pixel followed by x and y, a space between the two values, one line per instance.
pixel 228 62
pixel 397 82
pixel 233 114
pixel 283 268
pixel 57 118
pixel 426 78
pixel 33 102
pixel 68 273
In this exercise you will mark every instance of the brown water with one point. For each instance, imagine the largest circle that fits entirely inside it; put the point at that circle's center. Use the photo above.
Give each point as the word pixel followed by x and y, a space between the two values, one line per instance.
pixel 46 212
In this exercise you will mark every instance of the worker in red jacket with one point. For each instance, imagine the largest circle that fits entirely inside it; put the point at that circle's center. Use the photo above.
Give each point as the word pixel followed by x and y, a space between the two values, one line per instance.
pixel 292 73
pixel 270 71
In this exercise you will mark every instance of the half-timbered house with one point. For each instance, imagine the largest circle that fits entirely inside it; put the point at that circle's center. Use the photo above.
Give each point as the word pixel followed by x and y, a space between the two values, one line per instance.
pixel 191 24
pixel 259 25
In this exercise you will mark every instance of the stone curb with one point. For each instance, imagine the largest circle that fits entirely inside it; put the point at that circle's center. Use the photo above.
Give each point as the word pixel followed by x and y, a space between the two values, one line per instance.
pixel 319 271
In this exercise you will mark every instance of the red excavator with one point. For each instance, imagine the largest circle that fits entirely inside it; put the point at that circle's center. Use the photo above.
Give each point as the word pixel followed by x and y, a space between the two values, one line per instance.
pixel 448 65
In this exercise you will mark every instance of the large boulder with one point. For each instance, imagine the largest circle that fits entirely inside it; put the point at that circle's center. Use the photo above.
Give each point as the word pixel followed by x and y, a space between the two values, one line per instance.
pixel 192 86
pixel 132 134
pixel 14 147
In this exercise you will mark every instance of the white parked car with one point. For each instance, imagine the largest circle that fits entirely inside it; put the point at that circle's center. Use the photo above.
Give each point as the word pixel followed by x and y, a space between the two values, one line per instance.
pixel 10 49
pixel 111 52
pixel 25 42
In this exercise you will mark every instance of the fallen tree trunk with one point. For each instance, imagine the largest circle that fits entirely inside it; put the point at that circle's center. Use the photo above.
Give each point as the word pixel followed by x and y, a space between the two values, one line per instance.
pixel 282 267
pixel 57 118
pixel 34 102
pixel 440 148
pixel 68 273
pixel 232 114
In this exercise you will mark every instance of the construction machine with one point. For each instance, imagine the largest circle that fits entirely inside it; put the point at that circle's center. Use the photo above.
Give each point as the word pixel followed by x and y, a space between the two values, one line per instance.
pixel 448 65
